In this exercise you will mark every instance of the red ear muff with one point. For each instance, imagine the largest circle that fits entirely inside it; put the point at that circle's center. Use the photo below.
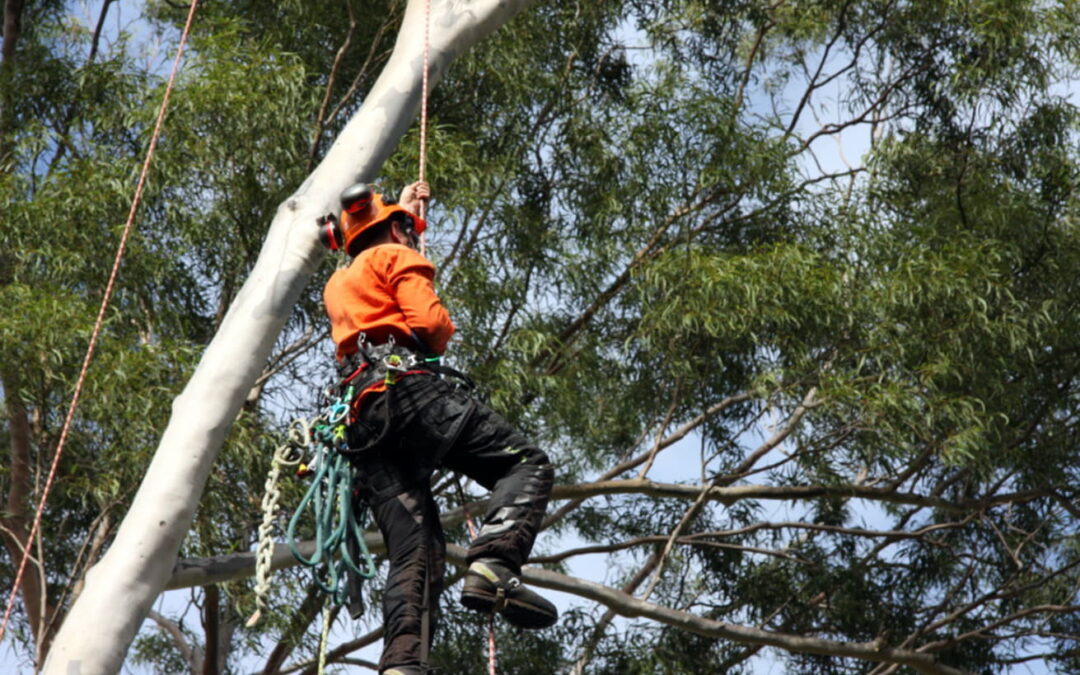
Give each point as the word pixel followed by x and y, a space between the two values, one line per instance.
pixel 330 232
pixel 414 223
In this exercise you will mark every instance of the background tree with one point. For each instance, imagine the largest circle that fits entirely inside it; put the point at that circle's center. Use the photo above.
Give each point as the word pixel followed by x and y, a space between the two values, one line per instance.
pixel 826 245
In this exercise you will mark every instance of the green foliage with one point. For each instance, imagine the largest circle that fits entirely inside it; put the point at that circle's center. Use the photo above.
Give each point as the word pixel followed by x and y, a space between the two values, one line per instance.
pixel 636 217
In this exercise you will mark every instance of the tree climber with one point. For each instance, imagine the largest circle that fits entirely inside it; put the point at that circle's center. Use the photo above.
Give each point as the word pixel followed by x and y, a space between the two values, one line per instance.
pixel 390 327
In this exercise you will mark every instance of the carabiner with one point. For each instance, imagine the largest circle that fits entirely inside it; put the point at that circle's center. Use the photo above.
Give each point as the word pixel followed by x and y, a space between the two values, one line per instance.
pixel 338 411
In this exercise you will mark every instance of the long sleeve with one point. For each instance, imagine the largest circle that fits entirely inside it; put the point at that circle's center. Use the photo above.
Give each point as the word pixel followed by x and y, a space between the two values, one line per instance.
pixel 386 293
pixel 412 282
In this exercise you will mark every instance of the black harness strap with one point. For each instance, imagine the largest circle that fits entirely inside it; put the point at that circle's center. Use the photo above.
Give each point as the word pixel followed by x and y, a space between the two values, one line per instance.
pixel 388 362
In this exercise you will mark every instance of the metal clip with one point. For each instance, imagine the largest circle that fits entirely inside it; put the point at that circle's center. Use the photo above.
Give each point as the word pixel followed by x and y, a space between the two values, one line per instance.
pixel 338 411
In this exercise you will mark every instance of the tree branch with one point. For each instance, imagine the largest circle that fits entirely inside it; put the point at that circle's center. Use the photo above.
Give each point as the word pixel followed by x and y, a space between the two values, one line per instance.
pixel 694 540
pixel 730 495
pixel 982 631
pixel 609 616
pixel 629 464
pixel 13 521
pixel 631 607
pixel 389 20
pixel 190 654
pixel 298 623
pixel 95 41
pixel 211 621
pixel 337 655
pixel 12 28
pixel 320 118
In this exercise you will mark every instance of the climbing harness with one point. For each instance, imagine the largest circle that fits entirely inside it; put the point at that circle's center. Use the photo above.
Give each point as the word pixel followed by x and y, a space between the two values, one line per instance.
pixel 387 364
pixel 99 322
pixel 321 451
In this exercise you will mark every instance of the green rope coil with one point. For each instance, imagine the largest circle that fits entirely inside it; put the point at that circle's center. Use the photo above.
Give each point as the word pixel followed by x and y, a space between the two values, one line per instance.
pixel 339 535
pixel 329 498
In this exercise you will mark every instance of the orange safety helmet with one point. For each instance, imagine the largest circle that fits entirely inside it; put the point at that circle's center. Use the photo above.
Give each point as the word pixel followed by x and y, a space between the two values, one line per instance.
pixel 363 209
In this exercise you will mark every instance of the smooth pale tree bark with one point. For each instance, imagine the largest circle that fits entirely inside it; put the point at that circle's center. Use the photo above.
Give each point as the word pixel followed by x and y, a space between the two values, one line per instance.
pixel 121 588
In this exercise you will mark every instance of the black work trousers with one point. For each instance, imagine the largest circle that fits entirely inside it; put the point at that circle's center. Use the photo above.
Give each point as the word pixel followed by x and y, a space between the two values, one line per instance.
pixel 433 424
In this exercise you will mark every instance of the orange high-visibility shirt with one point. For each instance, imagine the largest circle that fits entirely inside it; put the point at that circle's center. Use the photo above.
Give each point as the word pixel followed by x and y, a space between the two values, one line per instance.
pixel 388 290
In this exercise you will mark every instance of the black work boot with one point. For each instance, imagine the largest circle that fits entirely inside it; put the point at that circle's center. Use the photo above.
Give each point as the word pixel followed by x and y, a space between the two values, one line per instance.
pixel 490 586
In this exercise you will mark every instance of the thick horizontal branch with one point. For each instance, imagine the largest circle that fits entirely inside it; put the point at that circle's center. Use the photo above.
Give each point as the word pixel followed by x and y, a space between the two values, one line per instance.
pixel 730 495
pixel 189 572
pixel 218 569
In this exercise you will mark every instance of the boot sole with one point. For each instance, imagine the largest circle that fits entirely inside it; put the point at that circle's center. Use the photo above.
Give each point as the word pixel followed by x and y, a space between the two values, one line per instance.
pixel 515 611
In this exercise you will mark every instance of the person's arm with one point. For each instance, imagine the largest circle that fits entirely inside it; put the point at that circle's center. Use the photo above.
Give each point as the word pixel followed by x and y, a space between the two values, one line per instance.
pixel 411 278
pixel 414 195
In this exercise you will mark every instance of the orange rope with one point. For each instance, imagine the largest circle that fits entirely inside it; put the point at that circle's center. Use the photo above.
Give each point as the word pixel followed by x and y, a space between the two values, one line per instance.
pixel 491 645
pixel 423 112
pixel 100 320
pixel 491 623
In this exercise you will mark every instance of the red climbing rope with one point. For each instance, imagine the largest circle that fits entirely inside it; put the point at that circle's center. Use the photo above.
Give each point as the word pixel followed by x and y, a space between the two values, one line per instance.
pixel 491 622
pixel 423 113
pixel 423 252
pixel 100 321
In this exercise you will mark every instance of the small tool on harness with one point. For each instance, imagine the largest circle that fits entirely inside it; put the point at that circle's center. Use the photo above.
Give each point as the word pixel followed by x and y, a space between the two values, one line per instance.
pixel 397 365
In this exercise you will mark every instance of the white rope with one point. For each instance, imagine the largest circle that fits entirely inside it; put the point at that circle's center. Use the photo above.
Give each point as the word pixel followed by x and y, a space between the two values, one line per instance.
pixel 286 455
pixel 325 635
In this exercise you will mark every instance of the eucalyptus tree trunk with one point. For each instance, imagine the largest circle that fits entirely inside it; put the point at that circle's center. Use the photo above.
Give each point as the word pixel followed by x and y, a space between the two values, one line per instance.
pixel 121 588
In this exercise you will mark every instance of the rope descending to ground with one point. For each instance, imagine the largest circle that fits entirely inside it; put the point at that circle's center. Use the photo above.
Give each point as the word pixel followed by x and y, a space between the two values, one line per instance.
pixel 471 525
pixel 99 322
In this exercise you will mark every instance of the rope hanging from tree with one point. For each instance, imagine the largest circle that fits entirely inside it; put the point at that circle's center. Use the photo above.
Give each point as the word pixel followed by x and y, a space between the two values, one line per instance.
pixel 421 172
pixel 109 288
pixel 471 525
